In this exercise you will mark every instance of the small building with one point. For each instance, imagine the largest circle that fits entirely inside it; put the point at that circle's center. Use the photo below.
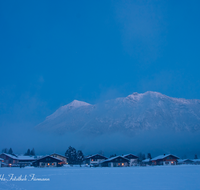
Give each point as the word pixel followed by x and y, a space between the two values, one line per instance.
pixel 133 160
pixel 94 160
pixel 117 161
pixel 165 159
pixel 9 159
pixel 1 160
pixel 196 161
pixel 14 160
pixel 146 162
pixel 48 161
pixel 184 161
pixel 61 157
pixel 25 160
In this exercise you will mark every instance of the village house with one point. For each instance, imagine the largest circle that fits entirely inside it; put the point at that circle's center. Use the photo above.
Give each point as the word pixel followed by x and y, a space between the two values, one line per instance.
pixel 48 161
pixel 165 159
pixel 117 161
pixel 13 160
pixel 133 160
pixel 196 161
pixel 9 159
pixel 184 161
pixel 61 157
pixel 146 162
pixel 25 160
pixel 1 160
pixel 94 160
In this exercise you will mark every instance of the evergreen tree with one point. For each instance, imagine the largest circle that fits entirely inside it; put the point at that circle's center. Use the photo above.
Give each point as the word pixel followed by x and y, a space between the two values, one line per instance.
pixel 149 156
pixel 32 153
pixel 10 151
pixel 71 155
pixel 195 156
pixel 28 153
pixel 141 157
pixel 5 150
pixel 80 157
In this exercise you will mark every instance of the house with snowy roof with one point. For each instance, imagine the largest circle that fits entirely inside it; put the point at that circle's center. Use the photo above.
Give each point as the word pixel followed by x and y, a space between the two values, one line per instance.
pixel 133 160
pixel 25 160
pixel 9 159
pixel 48 161
pixel 117 161
pixel 1 160
pixel 59 156
pixel 15 160
pixel 94 160
pixel 184 161
pixel 196 161
pixel 146 162
pixel 165 159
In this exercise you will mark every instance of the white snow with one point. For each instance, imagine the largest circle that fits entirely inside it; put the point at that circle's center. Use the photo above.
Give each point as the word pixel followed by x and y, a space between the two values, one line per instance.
pixel 163 156
pixel 73 104
pixel 183 177
pixel 137 96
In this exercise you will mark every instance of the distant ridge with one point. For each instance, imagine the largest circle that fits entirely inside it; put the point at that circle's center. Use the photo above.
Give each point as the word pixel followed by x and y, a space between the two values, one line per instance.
pixel 136 112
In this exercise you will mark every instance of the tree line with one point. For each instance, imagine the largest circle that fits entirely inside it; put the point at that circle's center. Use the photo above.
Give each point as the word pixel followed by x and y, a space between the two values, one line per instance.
pixel 76 156
pixel 27 153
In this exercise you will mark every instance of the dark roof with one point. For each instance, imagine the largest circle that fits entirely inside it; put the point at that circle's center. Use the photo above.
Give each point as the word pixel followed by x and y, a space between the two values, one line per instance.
pixel 10 155
pixel 88 157
pixel 50 157
pixel 163 156
pixel 113 158
pixel 130 155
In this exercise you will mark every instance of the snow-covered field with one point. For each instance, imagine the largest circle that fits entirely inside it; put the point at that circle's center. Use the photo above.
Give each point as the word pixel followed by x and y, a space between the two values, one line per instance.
pixel 76 178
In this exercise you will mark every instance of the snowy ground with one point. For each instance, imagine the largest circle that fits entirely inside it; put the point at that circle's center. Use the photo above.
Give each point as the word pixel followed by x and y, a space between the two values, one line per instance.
pixel 76 178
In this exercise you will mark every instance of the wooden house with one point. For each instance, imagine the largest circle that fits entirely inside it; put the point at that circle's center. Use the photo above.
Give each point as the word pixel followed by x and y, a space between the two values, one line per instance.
pixel 48 161
pixel 184 161
pixel 146 162
pixel 165 159
pixel 9 159
pixel 25 160
pixel 59 156
pixel 133 160
pixel 94 159
pixel 1 160
pixel 15 160
pixel 117 161
pixel 196 161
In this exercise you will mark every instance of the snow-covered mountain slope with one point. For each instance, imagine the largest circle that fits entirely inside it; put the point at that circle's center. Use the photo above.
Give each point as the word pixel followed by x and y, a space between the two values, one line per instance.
pixel 136 112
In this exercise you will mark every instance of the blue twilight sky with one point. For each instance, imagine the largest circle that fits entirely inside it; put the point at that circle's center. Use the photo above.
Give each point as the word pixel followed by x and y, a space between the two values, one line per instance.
pixel 52 52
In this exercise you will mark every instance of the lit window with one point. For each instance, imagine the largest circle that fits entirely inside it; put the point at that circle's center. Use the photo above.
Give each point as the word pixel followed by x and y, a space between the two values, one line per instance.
pixel 122 164
pixel 48 164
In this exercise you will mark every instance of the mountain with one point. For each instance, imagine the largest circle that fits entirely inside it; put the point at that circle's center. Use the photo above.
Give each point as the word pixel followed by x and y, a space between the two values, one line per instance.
pixel 128 115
